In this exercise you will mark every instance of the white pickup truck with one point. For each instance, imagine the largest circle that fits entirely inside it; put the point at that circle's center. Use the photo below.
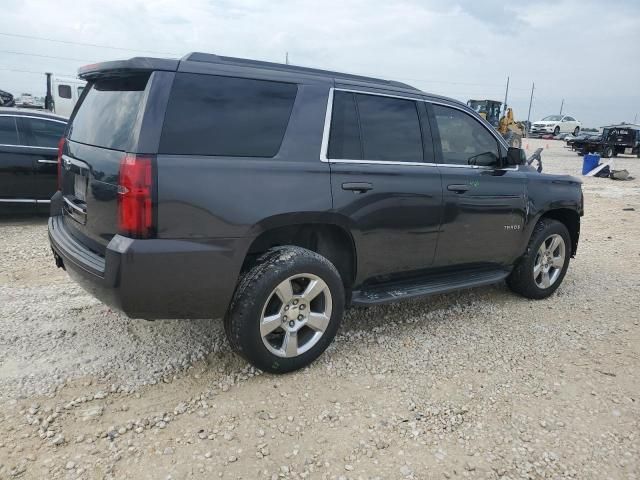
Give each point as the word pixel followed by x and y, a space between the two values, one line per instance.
pixel 63 93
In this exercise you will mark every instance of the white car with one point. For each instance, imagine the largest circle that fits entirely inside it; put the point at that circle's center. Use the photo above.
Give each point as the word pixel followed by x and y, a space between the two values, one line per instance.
pixel 556 124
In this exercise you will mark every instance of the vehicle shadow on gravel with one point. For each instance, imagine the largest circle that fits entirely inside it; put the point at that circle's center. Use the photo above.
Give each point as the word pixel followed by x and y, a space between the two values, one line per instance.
pixel 28 219
pixel 70 335
pixel 439 308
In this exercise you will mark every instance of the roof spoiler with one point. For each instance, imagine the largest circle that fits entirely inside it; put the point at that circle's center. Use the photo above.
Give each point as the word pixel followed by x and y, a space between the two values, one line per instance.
pixel 123 67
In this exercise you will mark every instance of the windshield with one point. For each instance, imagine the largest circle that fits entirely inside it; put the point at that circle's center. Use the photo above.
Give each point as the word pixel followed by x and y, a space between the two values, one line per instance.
pixel 552 118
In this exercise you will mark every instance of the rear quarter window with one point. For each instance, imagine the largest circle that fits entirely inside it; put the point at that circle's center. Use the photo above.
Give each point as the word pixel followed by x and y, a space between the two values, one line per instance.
pixel 42 133
pixel 226 116
pixel 107 116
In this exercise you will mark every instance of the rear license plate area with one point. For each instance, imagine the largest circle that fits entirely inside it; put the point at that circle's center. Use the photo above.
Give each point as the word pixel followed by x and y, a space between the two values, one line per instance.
pixel 80 188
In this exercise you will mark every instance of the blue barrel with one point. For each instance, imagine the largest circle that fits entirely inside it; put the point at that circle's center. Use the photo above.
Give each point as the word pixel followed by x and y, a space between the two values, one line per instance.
pixel 590 162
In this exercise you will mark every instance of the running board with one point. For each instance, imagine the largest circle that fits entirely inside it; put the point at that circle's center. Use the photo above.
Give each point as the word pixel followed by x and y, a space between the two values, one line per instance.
pixel 426 286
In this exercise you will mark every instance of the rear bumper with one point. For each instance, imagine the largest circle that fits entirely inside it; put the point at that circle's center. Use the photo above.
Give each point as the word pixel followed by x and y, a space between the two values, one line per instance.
pixel 153 279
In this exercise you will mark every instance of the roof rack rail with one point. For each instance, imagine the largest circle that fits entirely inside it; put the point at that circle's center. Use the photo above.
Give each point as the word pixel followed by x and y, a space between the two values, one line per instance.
pixel 212 58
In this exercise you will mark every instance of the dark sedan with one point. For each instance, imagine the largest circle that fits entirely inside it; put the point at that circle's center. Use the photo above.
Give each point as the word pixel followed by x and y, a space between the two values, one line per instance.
pixel 28 158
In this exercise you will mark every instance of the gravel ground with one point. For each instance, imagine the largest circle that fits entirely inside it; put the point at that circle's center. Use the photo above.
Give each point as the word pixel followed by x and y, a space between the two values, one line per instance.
pixel 477 384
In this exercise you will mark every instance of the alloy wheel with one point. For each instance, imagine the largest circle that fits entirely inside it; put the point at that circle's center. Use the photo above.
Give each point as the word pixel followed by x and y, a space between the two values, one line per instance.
pixel 295 315
pixel 549 262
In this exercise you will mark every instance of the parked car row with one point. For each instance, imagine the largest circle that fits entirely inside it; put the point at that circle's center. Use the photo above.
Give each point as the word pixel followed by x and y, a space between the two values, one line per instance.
pixel 29 142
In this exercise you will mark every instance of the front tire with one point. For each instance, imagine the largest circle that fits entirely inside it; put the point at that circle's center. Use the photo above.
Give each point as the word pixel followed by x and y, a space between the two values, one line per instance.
pixel 286 310
pixel 541 270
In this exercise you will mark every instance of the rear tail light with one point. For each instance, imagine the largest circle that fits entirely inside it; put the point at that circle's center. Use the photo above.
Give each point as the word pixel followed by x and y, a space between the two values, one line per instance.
pixel 135 196
pixel 60 150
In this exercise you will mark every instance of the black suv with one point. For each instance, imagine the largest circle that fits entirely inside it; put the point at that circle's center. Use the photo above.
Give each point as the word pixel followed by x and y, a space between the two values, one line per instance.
pixel 275 196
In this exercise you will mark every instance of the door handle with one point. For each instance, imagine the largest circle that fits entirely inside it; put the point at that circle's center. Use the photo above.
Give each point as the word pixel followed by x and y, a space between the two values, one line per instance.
pixel 458 188
pixel 359 187
pixel 42 160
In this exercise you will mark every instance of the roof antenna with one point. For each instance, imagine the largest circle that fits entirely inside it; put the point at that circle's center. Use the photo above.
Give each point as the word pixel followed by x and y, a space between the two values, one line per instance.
pixel 286 58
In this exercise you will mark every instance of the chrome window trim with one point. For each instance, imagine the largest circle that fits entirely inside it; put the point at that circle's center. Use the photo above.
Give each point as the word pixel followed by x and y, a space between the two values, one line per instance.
pixel 26 146
pixel 327 126
pixel 32 116
pixel 23 200
pixel 29 116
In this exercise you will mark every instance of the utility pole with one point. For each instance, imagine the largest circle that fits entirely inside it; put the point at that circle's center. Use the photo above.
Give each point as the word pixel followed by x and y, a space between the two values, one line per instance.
pixel 533 86
pixel 635 119
pixel 286 58
pixel 561 105
pixel 506 93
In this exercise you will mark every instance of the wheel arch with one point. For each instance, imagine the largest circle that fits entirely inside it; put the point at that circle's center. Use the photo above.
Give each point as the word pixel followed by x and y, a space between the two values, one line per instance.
pixel 325 234
pixel 570 219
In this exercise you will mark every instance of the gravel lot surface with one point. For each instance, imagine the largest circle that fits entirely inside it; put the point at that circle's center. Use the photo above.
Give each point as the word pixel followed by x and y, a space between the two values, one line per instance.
pixel 477 384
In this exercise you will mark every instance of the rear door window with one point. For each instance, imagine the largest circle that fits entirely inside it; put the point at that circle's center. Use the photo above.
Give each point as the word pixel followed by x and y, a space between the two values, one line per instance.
pixel 107 116
pixel 344 137
pixel 42 133
pixel 226 116
pixel 8 131
pixel 390 129
pixel 373 127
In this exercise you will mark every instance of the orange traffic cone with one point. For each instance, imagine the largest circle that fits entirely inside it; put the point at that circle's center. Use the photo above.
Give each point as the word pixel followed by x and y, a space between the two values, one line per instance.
pixel 526 147
pixel 547 146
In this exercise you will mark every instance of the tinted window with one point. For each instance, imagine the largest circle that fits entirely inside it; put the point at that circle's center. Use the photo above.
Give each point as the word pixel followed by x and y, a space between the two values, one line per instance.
pixel 42 133
pixel 570 119
pixel 344 138
pixel 8 131
pixel 64 91
pixel 463 140
pixel 390 129
pixel 211 115
pixel 107 116
pixel 80 89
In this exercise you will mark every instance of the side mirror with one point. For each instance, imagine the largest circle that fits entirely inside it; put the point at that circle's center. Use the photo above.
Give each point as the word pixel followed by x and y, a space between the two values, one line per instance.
pixel 515 156
pixel 485 159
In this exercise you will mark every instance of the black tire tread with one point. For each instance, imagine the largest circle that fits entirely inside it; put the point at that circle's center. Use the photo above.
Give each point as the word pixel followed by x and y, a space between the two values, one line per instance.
pixel 243 301
pixel 520 279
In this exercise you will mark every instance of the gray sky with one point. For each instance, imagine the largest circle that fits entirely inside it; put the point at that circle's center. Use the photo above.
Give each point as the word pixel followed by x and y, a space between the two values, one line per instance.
pixel 586 52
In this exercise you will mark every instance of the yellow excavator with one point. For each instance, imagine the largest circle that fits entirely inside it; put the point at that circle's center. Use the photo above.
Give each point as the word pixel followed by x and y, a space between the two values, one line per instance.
pixel 506 124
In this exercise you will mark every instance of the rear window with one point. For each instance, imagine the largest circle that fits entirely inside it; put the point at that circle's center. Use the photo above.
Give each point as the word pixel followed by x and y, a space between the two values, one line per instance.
pixel 226 116
pixel 107 116
pixel 64 91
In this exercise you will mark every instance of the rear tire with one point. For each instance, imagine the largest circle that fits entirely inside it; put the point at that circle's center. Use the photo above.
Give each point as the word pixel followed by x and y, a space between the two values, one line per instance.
pixel 286 310
pixel 542 268
pixel 576 131
pixel 608 152
pixel 556 131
